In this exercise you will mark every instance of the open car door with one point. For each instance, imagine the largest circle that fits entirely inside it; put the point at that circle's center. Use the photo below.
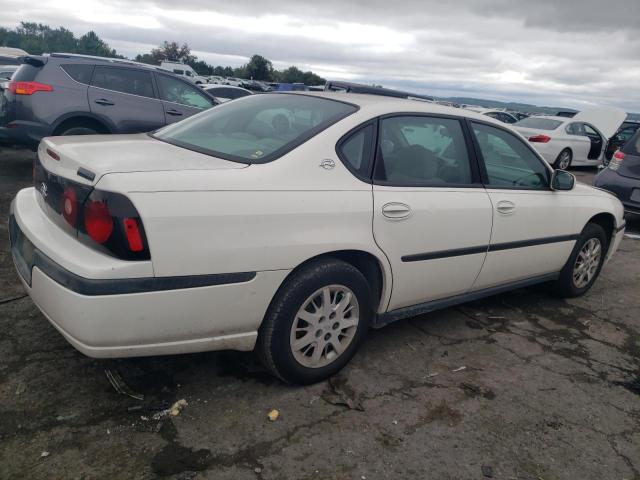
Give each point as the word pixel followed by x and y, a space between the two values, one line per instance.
pixel 606 119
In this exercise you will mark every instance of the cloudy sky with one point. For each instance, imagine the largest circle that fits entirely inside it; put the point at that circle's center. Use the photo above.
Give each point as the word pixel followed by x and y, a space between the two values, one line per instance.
pixel 546 52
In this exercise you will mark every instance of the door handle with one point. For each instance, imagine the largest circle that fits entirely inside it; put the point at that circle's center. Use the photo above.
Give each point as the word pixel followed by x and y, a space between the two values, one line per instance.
pixel 506 207
pixel 104 101
pixel 396 210
pixel 174 112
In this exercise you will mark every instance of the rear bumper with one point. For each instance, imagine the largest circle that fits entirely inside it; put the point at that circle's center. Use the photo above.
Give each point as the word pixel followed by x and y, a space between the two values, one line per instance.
pixel 110 323
pixel 622 187
pixel 23 133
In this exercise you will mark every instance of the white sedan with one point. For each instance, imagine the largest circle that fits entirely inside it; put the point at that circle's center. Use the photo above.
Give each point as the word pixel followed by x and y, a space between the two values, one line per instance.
pixel 578 141
pixel 292 223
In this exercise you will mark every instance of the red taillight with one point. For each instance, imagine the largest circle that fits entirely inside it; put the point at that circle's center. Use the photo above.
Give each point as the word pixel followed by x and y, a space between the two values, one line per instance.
pixel 28 88
pixel 616 161
pixel 540 139
pixel 70 206
pixel 98 221
pixel 133 235
pixel 53 154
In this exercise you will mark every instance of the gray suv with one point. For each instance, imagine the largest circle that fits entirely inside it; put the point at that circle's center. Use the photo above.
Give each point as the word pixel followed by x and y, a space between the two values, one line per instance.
pixel 66 94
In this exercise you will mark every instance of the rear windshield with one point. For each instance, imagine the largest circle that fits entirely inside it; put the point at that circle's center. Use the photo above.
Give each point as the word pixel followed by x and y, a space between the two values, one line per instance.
pixel 632 147
pixel 539 123
pixel 257 128
pixel 26 73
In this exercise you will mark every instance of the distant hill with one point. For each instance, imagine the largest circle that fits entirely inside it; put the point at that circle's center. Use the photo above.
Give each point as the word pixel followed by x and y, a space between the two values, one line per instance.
pixel 520 107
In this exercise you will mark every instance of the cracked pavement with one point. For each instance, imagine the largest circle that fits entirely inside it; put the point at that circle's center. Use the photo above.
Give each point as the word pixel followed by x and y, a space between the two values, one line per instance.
pixel 517 386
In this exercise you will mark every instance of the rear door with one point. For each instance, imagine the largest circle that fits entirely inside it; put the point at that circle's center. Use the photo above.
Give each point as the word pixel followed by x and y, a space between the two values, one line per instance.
pixel 578 141
pixel 180 99
pixel 432 216
pixel 533 226
pixel 125 98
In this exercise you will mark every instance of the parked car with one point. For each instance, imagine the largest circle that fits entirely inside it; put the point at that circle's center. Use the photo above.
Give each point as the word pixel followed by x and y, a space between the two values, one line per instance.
pixel 578 141
pixel 518 115
pixel 11 56
pixel 214 79
pixel 272 223
pixel 63 94
pixel 224 93
pixel 255 86
pixel 234 82
pixel 350 87
pixel 622 175
pixel 184 70
pixel 6 71
pixel 499 115
pixel 622 136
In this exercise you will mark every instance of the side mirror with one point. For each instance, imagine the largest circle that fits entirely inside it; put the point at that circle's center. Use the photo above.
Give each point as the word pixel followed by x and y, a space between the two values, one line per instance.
pixel 562 180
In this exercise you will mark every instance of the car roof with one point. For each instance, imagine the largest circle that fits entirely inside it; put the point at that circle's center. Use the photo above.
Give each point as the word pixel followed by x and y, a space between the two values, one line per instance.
pixel 117 61
pixel 215 85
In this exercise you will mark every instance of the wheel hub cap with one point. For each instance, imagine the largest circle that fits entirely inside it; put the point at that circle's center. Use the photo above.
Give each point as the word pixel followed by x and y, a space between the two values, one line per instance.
pixel 587 263
pixel 324 326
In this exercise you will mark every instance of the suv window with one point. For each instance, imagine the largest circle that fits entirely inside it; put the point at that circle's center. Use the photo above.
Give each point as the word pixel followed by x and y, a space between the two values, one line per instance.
pixel 508 161
pixel 424 151
pixel 177 91
pixel 134 82
pixel 356 150
pixel 80 73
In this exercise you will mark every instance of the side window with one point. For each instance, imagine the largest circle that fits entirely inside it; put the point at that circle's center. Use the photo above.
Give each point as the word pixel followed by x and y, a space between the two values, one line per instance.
pixel 80 73
pixel 134 82
pixel 423 151
pixel 177 91
pixel 508 161
pixel 590 132
pixel 356 150
pixel 178 71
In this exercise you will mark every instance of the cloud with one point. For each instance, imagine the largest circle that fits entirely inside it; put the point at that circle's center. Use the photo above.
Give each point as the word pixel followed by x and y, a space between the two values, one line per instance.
pixel 546 52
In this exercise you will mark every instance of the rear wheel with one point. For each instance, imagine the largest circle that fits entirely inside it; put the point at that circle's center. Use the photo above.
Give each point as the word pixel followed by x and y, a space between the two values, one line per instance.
pixel 585 262
pixel 564 160
pixel 316 322
pixel 78 131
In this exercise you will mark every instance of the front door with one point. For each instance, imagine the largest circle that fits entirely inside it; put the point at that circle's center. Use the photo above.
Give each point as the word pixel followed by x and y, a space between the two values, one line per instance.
pixel 432 217
pixel 125 98
pixel 533 226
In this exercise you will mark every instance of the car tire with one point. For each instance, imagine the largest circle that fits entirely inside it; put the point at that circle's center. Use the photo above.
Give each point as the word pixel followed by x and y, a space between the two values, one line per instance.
pixel 304 294
pixel 564 159
pixel 78 130
pixel 571 283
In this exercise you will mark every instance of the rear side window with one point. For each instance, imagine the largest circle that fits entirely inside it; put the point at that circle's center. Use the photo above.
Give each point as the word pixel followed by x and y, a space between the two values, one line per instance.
pixel 508 161
pixel 632 147
pixel 422 151
pixel 258 128
pixel 80 73
pixel 134 82
pixel 356 150
pixel 177 91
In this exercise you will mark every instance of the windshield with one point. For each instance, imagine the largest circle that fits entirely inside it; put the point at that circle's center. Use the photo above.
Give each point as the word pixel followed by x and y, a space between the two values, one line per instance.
pixel 256 129
pixel 539 123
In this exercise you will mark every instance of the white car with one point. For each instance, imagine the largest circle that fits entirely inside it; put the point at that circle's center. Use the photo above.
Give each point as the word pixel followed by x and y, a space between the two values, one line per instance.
pixel 499 115
pixel 184 70
pixel 578 141
pixel 215 80
pixel 292 223
pixel 225 93
pixel 234 82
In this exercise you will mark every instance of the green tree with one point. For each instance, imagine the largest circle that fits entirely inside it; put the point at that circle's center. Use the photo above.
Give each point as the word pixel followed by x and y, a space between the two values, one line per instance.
pixel 173 52
pixel 259 68
pixel 91 44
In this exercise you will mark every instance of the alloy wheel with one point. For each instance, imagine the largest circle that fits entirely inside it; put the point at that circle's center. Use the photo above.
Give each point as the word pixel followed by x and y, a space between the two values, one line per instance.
pixel 587 263
pixel 324 326
pixel 565 160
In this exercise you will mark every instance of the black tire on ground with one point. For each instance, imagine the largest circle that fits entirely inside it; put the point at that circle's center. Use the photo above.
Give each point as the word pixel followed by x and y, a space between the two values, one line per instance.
pixel 561 157
pixel 273 345
pixel 565 285
pixel 78 130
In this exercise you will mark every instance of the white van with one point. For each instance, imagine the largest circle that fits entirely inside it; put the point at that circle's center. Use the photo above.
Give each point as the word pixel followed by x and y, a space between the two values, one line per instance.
pixel 184 70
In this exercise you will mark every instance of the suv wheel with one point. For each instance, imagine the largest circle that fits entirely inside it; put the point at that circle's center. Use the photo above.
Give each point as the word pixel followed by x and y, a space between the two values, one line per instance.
pixel 79 131
pixel 316 322
pixel 585 262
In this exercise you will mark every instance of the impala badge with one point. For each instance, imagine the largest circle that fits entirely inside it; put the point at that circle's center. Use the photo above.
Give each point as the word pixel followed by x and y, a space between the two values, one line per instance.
pixel 43 189
pixel 327 164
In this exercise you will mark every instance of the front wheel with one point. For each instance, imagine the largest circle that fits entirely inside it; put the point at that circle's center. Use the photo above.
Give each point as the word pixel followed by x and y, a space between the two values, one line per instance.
pixel 316 322
pixel 585 262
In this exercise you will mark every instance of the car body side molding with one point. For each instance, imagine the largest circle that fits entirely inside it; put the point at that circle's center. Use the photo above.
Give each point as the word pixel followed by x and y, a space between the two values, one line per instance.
pixel 456 252
pixel 433 305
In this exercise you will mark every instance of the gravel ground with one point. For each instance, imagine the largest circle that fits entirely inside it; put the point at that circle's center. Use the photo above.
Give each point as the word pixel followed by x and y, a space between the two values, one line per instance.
pixel 518 386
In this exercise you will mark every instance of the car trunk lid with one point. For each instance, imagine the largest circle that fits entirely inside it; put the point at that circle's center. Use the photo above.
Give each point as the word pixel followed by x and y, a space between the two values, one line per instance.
pixel 85 159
